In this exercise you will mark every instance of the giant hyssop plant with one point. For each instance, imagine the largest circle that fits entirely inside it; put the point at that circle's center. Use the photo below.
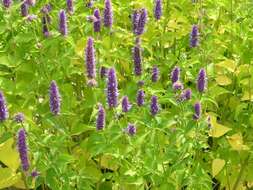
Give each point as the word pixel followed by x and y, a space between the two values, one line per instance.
pixel 121 94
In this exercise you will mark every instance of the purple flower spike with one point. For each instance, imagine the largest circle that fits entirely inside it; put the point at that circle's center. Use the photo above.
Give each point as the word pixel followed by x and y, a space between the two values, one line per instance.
pixel 158 9
pixel 126 106
pixel 19 117
pixel 140 98
pixel 112 89
pixel 155 74
pixel 108 14
pixel 31 17
pixel 194 36
pixel 31 2
pixel 186 95
pixel 154 107
pixel 7 3
pixel 137 60
pixel 45 29
pixel 103 72
pixel 142 21
pixel 70 7
pixel 197 109
pixel 175 74
pixel 46 8
pixel 131 129
pixel 101 118
pixel 140 83
pixel 90 4
pixel 135 21
pixel 3 108
pixel 63 28
pixel 55 98
pixel 202 80
pixel 22 149
pixel 24 9
pixel 90 59
pixel 97 23
pixel 35 174
pixel 178 86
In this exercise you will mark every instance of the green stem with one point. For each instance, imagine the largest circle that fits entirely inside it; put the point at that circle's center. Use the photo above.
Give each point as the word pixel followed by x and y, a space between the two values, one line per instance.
pixel 238 180
pixel 25 182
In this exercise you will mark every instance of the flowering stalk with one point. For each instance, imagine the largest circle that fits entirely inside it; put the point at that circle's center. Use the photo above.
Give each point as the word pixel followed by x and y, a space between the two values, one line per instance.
pixel 140 98
pixel 90 59
pixel 158 9
pixel 22 149
pixel 175 74
pixel 100 118
pixel 7 3
pixel 4 114
pixel 131 129
pixel 126 106
pixel 97 23
pixel 202 80
pixel 70 7
pixel 194 36
pixel 197 109
pixel 137 60
pixel 63 28
pixel 108 14
pixel 19 117
pixel 24 9
pixel 155 74
pixel 112 89
pixel 55 99
pixel 142 21
pixel 45 29
pixel 154 107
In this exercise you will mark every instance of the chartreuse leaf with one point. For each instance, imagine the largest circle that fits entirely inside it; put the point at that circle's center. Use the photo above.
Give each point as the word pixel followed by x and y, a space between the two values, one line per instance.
pixel 217 130
pixel 217 166
pixel 247 97
pixel 8 177
pixel 223 80
pixel 228 64
pixel 236 142
pixel 9 155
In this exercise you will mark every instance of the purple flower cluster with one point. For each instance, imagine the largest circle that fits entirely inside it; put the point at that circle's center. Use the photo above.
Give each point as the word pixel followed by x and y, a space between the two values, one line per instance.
pixel 154 107
pixel 108 14
pixel 131 129
pixel 175 74
pixel 112 89
pixel 70 7
pixel 55 99
pixel 63 28
pixel 194 36
pixel 139 20
pixel 197 109
pixel 90 59
pixel 7 3
pixel 137 60
pixel 126 106
pixel 100 118
pixel 140 98
pixel 4 114
pixel 19 117
pixel 24 9
pixel 155 74
pixel 202 80
pixel 97 23
pixel 103 71
pixel 186 95
pixel 22 149
pixel 158 9
pixel 31 2
pixel 178 86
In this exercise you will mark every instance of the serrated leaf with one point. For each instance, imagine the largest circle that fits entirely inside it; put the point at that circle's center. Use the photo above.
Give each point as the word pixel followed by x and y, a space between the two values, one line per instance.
pixel 217 166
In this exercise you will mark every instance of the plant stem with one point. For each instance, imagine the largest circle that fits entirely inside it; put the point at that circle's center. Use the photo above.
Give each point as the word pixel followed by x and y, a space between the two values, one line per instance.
pixel 25 182
pixel 238 180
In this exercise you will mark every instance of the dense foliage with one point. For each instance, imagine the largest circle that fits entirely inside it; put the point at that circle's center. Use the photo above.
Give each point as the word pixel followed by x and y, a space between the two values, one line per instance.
pixel 126 94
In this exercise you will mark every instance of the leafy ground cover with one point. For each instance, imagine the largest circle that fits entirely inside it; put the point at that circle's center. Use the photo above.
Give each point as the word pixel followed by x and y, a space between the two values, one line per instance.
pixel 124 94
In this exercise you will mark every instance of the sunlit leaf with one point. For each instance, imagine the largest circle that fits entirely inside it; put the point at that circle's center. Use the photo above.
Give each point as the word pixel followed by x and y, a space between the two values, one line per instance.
pixel 228 64
pixel 217 130
pixel 8 177
pixel 217 166
pixel 236 142
pixel 223 80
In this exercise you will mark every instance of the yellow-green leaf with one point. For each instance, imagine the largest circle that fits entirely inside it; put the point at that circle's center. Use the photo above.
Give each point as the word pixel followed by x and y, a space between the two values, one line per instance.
pixel 223 80
pixel 8 177
pixel 236 142
pixel 9 155
pixel 228 64
pixel 217 130
pixel 246 97
pixel 217 166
